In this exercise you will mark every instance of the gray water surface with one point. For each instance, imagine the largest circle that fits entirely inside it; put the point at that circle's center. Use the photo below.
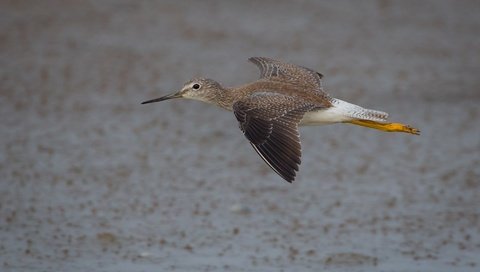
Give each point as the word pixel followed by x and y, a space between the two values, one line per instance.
pixel 93 181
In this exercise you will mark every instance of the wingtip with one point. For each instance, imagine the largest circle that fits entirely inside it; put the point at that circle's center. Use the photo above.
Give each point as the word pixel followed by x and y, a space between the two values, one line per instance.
pixel 257 59
pixel 290 178
pixel 290 181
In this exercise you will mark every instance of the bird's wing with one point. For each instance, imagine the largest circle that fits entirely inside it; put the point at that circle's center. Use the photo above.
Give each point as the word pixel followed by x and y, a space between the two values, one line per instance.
pixel 270 122
pixel 280 71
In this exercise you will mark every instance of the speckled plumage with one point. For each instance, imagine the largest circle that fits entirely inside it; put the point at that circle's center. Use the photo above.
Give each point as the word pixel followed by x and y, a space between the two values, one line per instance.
pixel 270 110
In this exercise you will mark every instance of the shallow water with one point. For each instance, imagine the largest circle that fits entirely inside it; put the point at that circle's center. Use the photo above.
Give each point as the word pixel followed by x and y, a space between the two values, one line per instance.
pixel 92 180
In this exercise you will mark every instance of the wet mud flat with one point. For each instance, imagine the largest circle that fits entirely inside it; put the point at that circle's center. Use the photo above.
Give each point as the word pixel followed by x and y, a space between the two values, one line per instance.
pixel 92 180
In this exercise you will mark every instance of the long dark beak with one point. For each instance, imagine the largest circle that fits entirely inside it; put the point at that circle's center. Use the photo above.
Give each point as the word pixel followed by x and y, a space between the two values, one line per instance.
pixel 166 97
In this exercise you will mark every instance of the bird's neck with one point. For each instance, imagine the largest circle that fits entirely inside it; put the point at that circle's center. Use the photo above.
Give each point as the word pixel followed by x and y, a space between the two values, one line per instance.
pixel 223 98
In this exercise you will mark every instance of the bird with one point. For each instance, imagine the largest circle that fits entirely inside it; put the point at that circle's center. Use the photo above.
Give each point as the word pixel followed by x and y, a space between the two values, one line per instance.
pixel 270 110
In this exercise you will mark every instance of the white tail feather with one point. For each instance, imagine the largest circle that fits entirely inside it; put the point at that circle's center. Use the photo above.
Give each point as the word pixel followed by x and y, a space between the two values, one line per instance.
pixel 357 112
pixel 342 111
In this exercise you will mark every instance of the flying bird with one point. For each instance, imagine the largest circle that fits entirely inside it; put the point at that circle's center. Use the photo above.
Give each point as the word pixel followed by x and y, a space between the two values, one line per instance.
pixel 270 110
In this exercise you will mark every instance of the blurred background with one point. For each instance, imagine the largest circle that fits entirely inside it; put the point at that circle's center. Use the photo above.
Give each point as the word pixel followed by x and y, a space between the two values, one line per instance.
pixel 92 180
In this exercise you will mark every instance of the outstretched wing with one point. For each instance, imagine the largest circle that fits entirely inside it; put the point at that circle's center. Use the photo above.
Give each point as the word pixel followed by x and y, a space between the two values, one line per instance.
pixel 280 71
pixel 270 122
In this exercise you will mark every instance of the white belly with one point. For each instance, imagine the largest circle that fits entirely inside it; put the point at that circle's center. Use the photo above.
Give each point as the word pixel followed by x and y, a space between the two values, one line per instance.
pixel 324 117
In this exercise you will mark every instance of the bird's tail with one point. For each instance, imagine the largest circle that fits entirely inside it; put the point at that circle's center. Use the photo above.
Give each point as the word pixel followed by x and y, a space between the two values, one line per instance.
pixel 370 118
pixel 352 111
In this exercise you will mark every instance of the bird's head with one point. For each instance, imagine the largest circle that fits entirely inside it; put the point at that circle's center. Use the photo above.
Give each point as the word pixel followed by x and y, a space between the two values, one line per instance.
pixel 202 89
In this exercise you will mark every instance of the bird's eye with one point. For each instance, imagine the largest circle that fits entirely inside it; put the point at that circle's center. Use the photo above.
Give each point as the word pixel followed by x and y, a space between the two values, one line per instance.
pixel 196 86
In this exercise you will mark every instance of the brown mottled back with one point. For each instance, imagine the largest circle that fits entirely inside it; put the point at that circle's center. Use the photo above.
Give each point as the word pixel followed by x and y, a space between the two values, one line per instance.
pixel 274 70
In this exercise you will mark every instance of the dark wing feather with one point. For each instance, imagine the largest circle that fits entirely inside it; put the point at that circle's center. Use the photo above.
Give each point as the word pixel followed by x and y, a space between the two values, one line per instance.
pixel 270 122
pixel 280 71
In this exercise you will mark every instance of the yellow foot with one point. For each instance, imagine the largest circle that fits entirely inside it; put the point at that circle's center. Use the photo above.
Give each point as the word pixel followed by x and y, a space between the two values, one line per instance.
pixel 398 127
pixel 389 127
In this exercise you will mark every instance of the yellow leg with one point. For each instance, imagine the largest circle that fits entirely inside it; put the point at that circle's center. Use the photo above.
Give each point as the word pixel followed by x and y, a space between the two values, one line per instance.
pixel 389 127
